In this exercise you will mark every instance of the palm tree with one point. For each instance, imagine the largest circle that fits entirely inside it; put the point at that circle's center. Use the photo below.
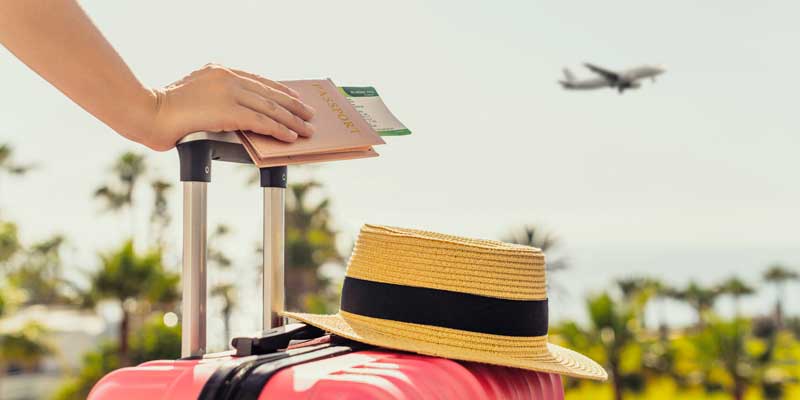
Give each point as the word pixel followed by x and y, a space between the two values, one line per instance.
pixel 547 242
pixel 226 292
pixel 310 243
pixel 126 277
pixel 8 165
pixel 736 288
pixel 611 323
pixel 215 255
pixel 723 344
pixel 9 241
pixel 39 274
pixel 637 292
pixel 779 275
pixel 698 297
pixel 535 236
pixel 611 332
pixel 128 169
pixel 663 291
pixel 160 217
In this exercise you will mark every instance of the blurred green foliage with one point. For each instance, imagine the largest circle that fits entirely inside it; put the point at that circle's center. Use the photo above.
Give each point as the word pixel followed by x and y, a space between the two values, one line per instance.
pixel 744 357
pixel 9 240
pixel 129 278
pixel 738 358
pixel 310 243
pixel 154 341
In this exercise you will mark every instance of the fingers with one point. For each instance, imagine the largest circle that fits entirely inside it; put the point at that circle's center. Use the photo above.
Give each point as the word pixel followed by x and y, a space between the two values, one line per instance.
pixel 290 103
pixel 257 122
pixel 239 100
pixel 272 109
pixel 268 82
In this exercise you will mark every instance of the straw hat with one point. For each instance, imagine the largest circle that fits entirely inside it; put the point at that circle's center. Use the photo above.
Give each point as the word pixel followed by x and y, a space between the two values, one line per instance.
pixel 447 296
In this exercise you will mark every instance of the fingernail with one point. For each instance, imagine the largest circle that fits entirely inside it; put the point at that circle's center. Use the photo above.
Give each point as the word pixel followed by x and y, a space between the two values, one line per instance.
pixel 310 128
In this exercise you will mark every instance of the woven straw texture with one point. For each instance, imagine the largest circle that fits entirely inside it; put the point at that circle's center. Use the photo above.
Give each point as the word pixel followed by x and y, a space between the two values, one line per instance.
pixel 482 267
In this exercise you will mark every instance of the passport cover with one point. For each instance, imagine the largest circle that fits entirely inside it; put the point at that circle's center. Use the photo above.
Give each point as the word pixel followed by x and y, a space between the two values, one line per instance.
pixel 341 132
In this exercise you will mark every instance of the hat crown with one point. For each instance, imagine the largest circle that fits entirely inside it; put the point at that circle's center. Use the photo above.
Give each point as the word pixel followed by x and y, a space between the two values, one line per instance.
pixel 431 260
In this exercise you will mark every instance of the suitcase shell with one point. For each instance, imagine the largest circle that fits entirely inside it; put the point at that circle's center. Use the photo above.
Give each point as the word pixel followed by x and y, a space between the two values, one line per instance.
pixel 369 374
pixel 363 374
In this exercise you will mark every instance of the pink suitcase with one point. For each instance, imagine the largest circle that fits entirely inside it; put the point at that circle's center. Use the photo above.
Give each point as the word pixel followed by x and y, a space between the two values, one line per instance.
pixel 313 366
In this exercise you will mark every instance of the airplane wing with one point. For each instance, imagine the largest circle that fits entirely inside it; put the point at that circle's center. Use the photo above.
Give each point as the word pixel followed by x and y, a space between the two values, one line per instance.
pixel 609 75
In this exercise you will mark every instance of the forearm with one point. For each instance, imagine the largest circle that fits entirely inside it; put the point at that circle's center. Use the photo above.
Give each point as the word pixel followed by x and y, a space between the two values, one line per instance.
pixel 57 39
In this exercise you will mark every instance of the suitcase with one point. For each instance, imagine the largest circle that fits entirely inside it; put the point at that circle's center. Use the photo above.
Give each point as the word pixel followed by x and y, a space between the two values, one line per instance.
pixel 290 361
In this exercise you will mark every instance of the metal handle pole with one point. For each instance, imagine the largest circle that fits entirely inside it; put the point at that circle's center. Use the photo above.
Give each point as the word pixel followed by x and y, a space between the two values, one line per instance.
pixel 193 319
pixel 273 278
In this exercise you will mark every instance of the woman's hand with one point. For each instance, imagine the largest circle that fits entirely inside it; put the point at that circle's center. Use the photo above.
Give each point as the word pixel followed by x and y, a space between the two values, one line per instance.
pixel 215 98
pixel 58 41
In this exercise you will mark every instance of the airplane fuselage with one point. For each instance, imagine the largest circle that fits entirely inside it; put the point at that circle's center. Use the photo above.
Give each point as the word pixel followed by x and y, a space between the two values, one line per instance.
pixel 628 79
pixel 586 84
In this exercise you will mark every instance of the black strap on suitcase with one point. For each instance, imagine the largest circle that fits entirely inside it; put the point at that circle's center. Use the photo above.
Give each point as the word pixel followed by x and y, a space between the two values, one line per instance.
pixel 244 378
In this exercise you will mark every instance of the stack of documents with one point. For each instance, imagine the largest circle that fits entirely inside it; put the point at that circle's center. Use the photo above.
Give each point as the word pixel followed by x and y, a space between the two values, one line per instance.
pixel 348 122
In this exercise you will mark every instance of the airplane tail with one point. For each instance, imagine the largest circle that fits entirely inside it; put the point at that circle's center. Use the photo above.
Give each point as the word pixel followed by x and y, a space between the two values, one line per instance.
pixel 568 77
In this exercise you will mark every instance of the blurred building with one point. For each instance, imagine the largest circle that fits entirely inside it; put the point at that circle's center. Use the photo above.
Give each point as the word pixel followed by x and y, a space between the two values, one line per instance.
pixel 71 332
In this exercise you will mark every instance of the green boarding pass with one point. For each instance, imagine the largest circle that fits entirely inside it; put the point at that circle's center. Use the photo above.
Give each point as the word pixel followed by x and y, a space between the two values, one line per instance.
pixel 367 102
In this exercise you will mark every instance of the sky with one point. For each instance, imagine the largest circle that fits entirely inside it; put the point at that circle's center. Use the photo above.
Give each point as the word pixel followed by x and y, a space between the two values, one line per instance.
pixel 690 177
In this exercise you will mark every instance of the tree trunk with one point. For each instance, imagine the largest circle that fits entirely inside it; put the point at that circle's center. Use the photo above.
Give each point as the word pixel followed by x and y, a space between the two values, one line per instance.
pixel 779 308
pixel 701 322
pixel 663 327
pixel 617 384
pixel 738 390
pixel 226 315
pixel 300 282
pixel 3 368
pixel 124 326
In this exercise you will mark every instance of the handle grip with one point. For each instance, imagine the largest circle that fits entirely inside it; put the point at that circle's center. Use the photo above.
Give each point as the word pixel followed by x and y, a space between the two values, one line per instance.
pixel 196 153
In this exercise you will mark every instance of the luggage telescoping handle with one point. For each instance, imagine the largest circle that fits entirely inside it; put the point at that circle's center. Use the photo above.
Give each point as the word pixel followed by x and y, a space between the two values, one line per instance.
pixel 196 151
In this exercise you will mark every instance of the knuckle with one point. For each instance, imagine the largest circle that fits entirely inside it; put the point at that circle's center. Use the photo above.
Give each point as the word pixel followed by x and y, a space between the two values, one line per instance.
pixel 268 91
pixel 296 104
pixel 217 71
pixel 261 118
pixel 271 105
pixel 209 67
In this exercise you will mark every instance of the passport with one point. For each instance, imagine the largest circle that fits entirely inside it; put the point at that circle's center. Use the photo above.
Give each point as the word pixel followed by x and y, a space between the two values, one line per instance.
pixel 341 130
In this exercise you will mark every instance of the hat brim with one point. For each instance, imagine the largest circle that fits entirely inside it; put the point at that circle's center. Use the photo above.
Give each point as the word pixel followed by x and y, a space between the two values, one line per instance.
pixel 534 354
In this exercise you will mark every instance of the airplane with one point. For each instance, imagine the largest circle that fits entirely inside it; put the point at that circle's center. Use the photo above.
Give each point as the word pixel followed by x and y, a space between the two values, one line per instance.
pixel 627 79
